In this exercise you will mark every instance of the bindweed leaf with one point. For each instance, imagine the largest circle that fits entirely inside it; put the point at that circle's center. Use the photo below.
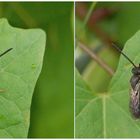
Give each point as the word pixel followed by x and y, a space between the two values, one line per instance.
pixel 19 71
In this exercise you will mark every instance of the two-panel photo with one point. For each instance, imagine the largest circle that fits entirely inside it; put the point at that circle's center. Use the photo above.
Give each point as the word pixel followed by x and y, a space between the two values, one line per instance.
pixel 69 69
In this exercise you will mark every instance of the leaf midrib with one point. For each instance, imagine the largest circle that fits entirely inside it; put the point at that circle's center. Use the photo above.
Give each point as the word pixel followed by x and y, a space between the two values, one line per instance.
pixel 104 115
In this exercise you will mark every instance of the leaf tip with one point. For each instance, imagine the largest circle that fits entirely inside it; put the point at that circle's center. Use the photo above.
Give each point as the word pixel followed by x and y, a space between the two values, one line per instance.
pixel 42 33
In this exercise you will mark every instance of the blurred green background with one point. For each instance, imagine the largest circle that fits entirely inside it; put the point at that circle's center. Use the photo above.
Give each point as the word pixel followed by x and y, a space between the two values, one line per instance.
pixel 52 113
pixel 97 25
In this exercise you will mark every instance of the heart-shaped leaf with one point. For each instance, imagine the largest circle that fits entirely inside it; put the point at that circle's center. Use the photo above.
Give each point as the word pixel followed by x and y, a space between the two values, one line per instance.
pixel 107 115
pixel 19 71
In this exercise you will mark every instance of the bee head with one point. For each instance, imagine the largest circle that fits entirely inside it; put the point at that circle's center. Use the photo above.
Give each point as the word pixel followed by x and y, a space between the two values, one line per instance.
pixel 136 70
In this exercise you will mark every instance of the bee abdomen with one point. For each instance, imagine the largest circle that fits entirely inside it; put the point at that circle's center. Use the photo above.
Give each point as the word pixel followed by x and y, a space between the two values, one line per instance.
pixel 135 108
pixel 135 101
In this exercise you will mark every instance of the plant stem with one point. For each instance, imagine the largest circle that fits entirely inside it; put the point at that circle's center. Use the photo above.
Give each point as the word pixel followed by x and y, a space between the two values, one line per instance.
pixel 96 58
pixel 89 13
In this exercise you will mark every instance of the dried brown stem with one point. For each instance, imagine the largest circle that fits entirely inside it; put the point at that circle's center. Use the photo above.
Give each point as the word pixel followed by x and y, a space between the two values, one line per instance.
pixel 96 58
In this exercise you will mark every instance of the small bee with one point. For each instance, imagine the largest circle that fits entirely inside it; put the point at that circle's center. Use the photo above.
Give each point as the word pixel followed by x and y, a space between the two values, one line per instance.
pixel 135 88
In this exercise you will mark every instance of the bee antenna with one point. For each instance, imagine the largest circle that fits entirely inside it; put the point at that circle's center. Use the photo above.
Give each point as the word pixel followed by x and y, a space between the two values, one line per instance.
pixel 5 52
pixel 119 50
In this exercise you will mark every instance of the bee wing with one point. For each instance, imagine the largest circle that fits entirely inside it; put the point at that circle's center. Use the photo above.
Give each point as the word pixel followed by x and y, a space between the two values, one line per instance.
pixel 135 101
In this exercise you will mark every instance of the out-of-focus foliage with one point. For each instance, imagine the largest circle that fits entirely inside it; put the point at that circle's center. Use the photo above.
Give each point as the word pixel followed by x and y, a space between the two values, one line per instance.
pixel 52 106
pixel 126 17
pixel 117 21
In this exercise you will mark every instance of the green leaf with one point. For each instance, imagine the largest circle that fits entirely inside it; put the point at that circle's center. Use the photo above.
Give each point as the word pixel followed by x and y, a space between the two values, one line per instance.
pixel 107 115
pixel 19 71
pixel 83 94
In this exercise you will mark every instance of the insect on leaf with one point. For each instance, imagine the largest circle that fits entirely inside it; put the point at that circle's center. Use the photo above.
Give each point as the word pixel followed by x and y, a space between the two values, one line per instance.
pixel 19 71
pixel 107 115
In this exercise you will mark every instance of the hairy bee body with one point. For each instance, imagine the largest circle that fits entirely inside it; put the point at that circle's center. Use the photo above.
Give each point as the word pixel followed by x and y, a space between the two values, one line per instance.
pixel 135 96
